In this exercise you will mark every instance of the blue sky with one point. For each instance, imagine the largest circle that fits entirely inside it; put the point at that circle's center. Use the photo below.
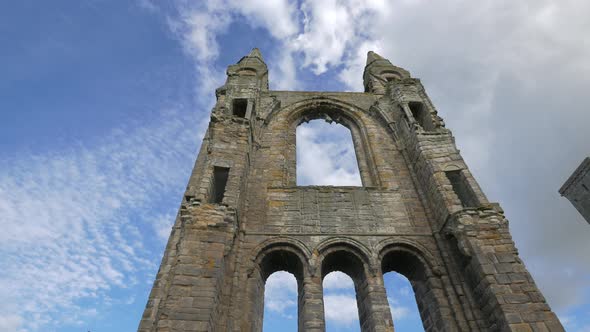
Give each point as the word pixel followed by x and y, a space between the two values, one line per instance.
pixel 103 105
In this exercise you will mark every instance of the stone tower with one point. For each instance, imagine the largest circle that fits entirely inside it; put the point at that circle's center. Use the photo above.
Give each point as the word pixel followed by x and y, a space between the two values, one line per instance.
pixel 419 212
pixel 577 189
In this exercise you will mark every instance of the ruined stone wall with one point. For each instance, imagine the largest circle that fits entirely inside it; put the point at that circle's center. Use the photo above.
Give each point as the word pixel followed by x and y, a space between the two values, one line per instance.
pixel 419 212
pixel 577 189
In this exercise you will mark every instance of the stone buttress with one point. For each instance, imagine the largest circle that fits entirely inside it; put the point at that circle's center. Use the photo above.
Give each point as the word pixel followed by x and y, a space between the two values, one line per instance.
pixel 419 212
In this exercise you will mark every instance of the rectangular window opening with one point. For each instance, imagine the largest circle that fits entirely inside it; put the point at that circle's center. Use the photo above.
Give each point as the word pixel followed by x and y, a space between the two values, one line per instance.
pixel 217 192
pixel 462 189
pixel 239 107
pixel 417 110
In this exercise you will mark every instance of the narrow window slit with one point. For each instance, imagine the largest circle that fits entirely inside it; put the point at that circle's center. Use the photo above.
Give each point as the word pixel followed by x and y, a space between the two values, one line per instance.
pixel 240 107
pixel 417 110
pixel 461 188
pixel 217 192
pixel 421 114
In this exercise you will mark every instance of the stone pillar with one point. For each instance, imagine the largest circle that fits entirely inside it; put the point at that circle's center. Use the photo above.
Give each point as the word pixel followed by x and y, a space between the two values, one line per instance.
pixel 311 305
pixel 254 310
pixel 374 311
pixel 434 307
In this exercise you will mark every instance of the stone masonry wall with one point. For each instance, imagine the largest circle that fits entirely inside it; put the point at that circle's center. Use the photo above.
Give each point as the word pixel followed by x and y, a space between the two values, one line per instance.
pixel 408 217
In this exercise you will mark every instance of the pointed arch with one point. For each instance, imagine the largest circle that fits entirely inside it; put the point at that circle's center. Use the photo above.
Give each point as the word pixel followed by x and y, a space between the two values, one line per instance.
pixel 331 110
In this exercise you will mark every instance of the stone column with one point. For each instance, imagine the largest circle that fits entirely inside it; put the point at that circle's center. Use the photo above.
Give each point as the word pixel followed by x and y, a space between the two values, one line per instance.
pixel 374 311
pixel 433 305
pixel 253 310
pixel 311 305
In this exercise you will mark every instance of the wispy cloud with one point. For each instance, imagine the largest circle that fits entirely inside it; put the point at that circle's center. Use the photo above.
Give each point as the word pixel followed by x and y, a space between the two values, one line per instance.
pixel 511 80
pixel 74 221
pixel 325 155
pixel 198 25
pixel 280 294
pixel 340 309
pixel 398 311
pixel 508 78
pixel 337 280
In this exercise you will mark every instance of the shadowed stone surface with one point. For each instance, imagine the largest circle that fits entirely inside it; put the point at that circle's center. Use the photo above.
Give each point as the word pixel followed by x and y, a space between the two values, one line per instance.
pixel 419 212
pixel 577 189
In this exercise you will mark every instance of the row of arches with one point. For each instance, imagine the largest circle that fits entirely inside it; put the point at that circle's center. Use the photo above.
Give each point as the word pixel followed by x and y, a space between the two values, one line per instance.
pixel 349 257
pixel 340 303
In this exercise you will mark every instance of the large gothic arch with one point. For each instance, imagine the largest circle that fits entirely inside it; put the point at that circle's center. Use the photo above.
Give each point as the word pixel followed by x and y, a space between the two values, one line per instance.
pixel 419 212
pixel 284 120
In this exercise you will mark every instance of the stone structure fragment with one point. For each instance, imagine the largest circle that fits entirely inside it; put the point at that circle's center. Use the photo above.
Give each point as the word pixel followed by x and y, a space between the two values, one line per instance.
pixel 577 189
pixel 418 212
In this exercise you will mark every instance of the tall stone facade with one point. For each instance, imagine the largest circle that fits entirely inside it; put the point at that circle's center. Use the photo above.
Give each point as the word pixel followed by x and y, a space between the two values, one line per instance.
pixel 577 189
pixel 419 212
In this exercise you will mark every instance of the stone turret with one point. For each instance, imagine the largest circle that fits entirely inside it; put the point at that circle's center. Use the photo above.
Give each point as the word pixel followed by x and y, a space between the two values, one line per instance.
pixel 244 82
pixel 379 71
pixel 250 70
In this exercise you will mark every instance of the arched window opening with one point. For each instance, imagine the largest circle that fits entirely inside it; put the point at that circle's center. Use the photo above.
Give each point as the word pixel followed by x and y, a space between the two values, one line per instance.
pixel 326 155
pixel 280 302
pixel 348 276
pixel 401 268
pixel 402 303
pixel 340 306
pixel 277 291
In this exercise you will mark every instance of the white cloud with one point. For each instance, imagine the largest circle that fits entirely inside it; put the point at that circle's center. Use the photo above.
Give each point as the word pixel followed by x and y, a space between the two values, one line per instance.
pixel 327 28
pixel 163 226
pixel 340 309
pixel 352 74
pixel 332 31
pixel 11 322
pixel 197 25
pixel 72 219
pixel 325 155
pixel 336 281
pixel 510 80
pixel 284 75
pixel 277 16
pixel 398 311
pixel 280 293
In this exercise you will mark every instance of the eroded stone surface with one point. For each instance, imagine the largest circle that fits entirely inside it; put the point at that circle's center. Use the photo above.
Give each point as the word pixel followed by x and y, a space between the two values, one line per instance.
pixel 455 249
